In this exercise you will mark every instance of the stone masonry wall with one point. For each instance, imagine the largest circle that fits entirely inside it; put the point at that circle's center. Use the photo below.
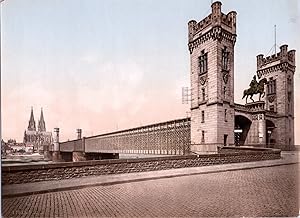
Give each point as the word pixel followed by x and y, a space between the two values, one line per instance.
pixel 58 171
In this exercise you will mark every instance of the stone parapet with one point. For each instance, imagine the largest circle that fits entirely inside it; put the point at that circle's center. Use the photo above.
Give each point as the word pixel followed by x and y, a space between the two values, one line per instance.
pixel 230 149
pixel 284 56
pixel 215 19
pixel 258 106
pixel 59 171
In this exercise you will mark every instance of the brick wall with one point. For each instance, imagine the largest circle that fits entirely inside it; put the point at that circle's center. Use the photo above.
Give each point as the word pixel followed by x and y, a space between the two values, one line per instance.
pixel 58 171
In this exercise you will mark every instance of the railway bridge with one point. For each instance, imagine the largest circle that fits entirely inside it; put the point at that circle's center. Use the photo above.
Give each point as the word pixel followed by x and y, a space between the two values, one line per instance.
pixel 254 126
pixel 166 138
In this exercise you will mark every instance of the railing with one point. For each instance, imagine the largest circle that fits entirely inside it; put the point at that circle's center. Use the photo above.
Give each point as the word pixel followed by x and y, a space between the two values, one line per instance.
pixel 171 137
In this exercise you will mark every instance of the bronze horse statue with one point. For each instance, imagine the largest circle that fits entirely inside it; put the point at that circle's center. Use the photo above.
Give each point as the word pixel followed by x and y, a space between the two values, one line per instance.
pixel 259 89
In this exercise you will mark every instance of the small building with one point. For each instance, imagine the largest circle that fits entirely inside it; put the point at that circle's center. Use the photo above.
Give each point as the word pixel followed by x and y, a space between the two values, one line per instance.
pixel 12 146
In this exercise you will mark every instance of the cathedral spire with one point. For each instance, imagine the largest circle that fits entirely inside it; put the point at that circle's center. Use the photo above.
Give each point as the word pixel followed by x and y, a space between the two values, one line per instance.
pixel 42 125
pixel 31 125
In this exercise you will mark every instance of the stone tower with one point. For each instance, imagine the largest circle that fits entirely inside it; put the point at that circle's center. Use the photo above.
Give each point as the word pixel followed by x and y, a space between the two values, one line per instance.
pixel 279 71
pixel 211 44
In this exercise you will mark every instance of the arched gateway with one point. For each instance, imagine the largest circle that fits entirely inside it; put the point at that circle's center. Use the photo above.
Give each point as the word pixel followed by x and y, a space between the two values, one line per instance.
pixel 241 128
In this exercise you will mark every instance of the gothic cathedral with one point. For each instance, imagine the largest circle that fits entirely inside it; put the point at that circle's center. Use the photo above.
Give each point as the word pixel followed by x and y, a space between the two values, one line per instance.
pixel 39 137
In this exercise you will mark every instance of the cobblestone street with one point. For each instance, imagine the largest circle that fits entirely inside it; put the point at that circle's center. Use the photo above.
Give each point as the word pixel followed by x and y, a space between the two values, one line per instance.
pixel 268 191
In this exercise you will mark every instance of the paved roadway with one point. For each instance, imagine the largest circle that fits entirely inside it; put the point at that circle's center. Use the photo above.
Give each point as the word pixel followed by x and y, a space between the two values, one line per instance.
pixel 268 191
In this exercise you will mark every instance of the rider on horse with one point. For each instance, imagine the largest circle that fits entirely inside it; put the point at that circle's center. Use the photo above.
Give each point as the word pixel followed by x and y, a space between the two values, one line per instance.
pixel 255 88
pixel 253 85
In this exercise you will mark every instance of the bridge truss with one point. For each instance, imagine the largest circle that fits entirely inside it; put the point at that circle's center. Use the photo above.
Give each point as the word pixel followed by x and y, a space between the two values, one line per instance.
pixel 171 137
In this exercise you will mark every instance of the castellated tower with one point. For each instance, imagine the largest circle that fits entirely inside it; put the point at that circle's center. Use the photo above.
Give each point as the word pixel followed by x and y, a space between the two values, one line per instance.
pixel 211 45
pixel 279 71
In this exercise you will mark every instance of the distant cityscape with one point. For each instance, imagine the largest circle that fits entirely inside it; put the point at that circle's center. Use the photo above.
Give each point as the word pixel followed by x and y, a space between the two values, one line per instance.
pixel 34 141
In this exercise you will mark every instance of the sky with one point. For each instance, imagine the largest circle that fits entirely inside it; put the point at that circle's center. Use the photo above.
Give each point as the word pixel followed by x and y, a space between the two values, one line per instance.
pixel 106 65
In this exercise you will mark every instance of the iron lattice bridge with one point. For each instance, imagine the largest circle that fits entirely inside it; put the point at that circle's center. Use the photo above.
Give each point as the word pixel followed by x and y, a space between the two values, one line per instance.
pixel 171 138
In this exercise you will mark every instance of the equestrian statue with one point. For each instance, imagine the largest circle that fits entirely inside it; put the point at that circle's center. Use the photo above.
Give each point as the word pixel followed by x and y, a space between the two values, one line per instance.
pixel 255 88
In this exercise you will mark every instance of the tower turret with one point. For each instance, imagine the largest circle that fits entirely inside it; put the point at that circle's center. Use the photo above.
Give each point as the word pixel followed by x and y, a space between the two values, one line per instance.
pixel 42 125
pixel 31 125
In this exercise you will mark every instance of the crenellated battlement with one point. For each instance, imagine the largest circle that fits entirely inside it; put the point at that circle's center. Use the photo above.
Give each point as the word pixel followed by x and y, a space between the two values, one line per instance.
pixel 195 27
pixel 229 19
pixel 283 56
pixel 216 18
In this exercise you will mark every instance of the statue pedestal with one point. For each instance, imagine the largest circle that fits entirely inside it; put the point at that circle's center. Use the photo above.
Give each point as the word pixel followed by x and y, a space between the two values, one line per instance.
pixel 256 106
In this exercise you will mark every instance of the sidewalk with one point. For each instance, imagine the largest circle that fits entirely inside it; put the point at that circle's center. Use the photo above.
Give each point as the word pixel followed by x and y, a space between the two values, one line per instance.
pixel 15 190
